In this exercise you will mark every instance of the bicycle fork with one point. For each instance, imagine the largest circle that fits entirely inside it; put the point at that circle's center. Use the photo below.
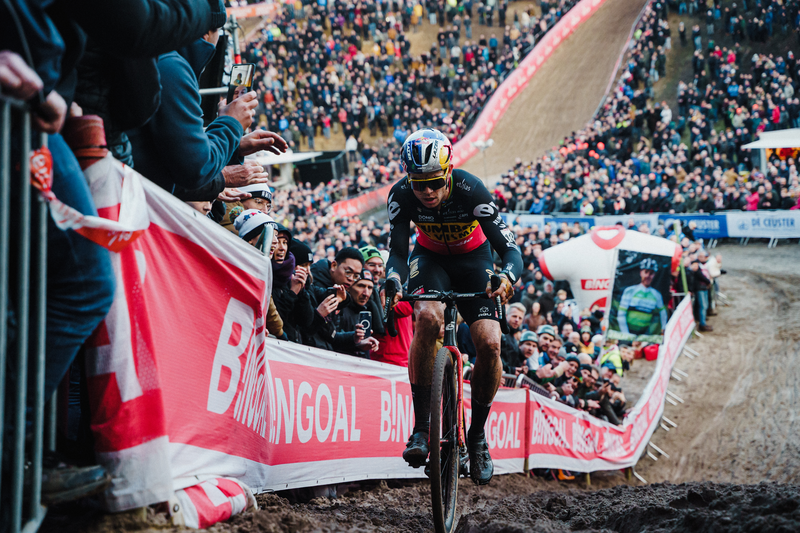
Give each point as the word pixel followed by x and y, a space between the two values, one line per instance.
pixel 450 320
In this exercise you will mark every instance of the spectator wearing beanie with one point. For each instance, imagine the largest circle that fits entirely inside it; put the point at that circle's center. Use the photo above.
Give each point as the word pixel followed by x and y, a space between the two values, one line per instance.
pixel 360 300
pixel 586 343
pixel 260 198
pixel 373 261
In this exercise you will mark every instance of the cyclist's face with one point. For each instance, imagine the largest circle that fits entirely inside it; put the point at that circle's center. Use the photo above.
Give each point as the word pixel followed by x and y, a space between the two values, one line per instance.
pixel 429 197
pixel 647 277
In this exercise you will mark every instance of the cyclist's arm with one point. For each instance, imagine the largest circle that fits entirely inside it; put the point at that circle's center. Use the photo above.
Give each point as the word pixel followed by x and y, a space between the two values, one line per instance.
pixel 500 236
pixel 398 241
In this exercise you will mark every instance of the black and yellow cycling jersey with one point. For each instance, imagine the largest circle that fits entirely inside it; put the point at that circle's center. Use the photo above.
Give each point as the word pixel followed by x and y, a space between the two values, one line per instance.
pixel 464 221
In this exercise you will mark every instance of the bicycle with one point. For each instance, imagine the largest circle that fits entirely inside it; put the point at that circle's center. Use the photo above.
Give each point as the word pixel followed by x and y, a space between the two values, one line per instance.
pixel 447 437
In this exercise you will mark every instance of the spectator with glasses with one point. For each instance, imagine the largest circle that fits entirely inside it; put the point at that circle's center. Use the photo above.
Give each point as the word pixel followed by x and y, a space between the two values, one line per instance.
pixel 332 279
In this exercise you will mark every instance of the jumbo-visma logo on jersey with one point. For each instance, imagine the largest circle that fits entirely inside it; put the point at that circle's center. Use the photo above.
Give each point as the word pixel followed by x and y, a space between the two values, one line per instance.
pixel 450 233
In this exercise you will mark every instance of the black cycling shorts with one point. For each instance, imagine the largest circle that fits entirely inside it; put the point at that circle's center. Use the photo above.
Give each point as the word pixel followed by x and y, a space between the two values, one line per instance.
pixel 469 272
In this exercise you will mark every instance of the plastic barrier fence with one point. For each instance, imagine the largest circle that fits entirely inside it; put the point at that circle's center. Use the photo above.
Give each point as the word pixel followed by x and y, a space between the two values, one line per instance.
pixel 735 224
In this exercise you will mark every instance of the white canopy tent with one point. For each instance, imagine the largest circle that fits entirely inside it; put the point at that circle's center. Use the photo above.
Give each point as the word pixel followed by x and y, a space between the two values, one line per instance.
pixel 285 162
pixel 774 140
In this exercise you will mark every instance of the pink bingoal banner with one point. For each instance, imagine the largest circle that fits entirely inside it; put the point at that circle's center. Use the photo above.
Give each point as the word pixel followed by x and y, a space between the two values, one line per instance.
pixel 562 437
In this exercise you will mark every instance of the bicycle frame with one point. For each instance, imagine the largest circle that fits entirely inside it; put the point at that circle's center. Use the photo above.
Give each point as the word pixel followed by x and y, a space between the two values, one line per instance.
pixel 451 344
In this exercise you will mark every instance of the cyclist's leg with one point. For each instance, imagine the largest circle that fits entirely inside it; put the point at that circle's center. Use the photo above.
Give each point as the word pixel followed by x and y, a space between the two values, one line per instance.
pixel 425 275
pixel 471 273
pixel 487 372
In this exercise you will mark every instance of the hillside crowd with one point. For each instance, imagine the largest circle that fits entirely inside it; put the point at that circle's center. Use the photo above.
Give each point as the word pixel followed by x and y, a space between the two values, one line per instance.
pixel 348 66
pixel 641 156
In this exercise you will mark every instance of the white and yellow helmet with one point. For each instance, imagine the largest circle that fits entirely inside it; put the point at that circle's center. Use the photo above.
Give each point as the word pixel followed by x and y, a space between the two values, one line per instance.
pixel 426 150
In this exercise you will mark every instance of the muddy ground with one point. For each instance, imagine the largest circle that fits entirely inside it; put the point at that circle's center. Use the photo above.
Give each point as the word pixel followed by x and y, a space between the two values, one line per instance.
pixel 733 459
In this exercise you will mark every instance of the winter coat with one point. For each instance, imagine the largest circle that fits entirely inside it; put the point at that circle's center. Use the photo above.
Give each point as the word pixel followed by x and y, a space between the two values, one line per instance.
pixel 327 333
pixel 395 350
pixel 173 149
pixel 296 310
pixel 56 32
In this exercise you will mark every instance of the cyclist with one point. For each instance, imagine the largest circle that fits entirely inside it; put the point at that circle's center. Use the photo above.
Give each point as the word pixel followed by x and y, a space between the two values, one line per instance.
pixel 456 222
pixel 641 308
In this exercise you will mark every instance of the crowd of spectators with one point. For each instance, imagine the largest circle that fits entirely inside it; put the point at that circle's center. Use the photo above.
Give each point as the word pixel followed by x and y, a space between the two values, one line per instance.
pixel 348 66
pixel 642 156
pixel 637 156
pixel 316 76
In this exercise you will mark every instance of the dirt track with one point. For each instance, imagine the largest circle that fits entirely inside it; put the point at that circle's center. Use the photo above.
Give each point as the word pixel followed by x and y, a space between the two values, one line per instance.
pixel 564 93
pixel 739 423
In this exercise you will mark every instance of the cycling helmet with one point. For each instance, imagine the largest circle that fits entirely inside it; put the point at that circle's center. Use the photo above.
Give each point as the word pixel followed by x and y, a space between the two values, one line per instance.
pixel 648 264
pixel 426 150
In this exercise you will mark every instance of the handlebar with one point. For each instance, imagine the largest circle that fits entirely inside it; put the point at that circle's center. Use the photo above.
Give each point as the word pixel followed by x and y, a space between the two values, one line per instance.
pixel 501 315
pixel 440 296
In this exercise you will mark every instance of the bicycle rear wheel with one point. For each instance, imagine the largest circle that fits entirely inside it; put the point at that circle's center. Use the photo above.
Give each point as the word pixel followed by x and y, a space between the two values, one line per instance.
pixel 444 459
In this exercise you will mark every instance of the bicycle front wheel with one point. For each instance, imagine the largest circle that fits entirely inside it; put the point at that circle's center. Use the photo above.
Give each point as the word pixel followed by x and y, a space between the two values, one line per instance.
pixel 444 459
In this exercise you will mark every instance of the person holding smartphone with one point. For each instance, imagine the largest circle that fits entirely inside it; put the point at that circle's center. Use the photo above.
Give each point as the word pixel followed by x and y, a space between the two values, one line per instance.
pixel 361 313
pixel 178 153
pixel 291 299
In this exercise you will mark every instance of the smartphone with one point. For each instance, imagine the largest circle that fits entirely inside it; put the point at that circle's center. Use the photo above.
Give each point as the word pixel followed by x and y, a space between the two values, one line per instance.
pixel 365 321
pixel 241 76
pixel 330 291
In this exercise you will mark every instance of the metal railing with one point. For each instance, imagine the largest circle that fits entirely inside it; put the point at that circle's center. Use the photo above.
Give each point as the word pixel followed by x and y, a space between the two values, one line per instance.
pixel 522 381
pixel 24 296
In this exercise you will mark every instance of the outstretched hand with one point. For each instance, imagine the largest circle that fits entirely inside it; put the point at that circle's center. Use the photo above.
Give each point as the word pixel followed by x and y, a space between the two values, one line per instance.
pixel 262 140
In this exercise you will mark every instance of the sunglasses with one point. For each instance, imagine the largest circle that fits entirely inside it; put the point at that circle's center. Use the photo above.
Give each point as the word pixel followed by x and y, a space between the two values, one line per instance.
pixel 434 184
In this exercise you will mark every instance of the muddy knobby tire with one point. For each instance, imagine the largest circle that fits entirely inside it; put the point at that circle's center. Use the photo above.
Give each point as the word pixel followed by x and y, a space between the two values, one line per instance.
pixel 444 457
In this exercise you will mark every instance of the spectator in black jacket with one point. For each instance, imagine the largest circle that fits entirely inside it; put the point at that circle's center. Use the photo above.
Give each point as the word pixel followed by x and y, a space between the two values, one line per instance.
pixel 509 347
pixel 331 279
pixel 706 204
pixel 699 285
pixel 292 300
